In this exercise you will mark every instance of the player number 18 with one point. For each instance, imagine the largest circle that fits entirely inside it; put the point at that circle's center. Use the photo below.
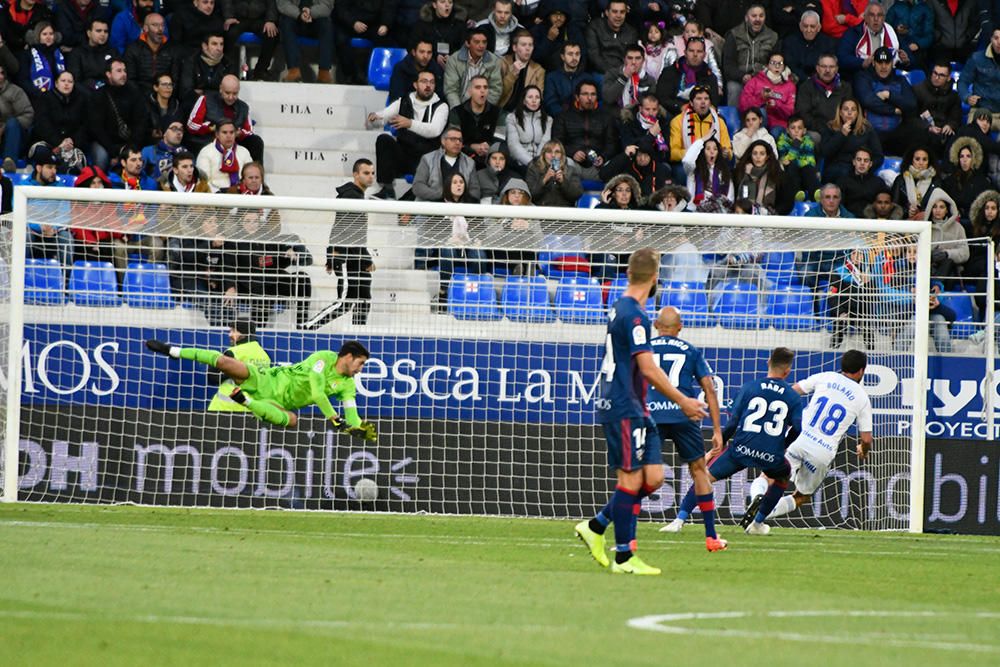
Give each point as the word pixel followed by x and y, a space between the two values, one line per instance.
pixel 834 416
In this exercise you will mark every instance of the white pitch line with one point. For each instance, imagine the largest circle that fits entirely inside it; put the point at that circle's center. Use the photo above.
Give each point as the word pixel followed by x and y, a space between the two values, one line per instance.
pixel 656 623
pixel 790 545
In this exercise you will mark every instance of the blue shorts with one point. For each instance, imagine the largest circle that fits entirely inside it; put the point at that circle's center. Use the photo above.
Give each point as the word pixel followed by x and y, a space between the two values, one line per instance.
pixel 731 462
pixel 687 438
pixel 632 443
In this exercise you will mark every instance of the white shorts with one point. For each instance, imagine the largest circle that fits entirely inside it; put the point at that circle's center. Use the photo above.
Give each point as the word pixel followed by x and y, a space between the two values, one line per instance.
pixel 809 467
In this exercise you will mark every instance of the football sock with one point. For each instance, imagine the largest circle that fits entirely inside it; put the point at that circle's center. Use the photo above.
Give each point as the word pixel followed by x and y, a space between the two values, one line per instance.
pixel 622 504
pixel 772 497
pixel 644 492
pixel 194 354
pixel 759 487
pixel 603 519
pixel 267 411
pixel 784 506
pixel 687 505
pixel 706 503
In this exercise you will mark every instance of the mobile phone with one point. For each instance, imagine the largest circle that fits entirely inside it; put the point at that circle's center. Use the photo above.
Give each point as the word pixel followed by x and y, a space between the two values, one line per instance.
pixel 556 164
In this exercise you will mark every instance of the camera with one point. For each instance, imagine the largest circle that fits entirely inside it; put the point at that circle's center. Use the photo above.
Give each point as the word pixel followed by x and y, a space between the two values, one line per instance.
pixel 592 156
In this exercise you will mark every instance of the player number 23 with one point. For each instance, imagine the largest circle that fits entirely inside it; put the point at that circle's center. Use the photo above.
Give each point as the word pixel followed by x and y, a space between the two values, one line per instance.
pixel 757 408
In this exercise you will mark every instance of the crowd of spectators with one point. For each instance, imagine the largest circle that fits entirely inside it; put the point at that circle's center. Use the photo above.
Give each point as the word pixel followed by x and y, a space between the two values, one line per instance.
pixel 724 104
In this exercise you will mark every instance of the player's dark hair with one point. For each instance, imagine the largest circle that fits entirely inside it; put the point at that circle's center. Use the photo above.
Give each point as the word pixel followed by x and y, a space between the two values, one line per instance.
pixel 361 162
pixel 853 361
pixel 781 357
pixel 355 349
pixel 643 264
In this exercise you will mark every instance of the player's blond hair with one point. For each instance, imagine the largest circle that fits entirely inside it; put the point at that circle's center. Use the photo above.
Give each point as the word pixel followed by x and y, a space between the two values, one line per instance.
pixel 643 266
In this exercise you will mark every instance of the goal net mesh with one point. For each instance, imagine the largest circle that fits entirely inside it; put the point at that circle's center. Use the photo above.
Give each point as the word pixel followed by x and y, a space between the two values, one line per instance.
pixel 486 329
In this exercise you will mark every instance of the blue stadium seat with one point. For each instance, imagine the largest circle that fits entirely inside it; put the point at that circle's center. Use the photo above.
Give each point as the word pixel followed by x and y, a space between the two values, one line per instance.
pixel 965 317
pixel 803 207
pixel 580 301
pixel 526 299
pixel 790 308
pixel 618 286
pixel 148 286
pixel 570 250
pixel 380 66
pixel 361 43
pixel 20 178
pixel 914 76
pixel 892 162
pixel 779 267
pixel 94 284
pixel 592 185
pixel 43 282
pixel 732 117
pixel 738 306
pixel 471 297
pixel 588 200
pixel 689 298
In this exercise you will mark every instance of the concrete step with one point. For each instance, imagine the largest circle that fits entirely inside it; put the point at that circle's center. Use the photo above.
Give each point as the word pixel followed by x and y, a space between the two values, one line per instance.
pixel 304 185
pixel 320 96
pixel 392 257
pixel 277 113
pixel 321 139
pixel 278 160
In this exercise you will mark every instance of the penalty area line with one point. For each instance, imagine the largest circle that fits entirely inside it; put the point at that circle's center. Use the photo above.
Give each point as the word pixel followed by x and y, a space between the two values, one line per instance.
pixel 677 624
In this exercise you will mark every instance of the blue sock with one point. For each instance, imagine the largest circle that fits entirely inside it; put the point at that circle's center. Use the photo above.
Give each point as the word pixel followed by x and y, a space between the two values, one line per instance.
pixel 603 519
pixel 706 504
pixel 687 505
pixel 622 503
pixel 643 492
pixel 771 497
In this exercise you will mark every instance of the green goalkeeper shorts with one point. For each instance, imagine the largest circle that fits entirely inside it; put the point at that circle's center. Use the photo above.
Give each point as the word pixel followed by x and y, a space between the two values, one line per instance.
pixel 260 383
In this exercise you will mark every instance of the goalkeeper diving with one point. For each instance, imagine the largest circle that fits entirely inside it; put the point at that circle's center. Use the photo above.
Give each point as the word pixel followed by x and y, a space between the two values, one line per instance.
pixel 272 394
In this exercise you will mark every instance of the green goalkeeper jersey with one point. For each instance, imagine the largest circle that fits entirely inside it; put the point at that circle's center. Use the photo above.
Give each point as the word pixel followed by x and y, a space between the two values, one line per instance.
pixel 310 382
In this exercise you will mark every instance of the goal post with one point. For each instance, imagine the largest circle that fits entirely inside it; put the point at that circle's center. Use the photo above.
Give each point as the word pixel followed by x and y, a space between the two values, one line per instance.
pixel 478 411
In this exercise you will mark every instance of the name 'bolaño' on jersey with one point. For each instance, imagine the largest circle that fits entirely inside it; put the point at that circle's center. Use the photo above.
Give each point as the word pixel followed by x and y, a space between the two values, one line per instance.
pixel 837 401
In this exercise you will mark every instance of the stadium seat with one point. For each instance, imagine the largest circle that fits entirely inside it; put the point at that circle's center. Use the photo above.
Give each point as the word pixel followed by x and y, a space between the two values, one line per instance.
pixel 526 299
pixel 913 76
pixel 580 301
pixel 380 66
pixel 965 317
pixel 803 207
pixel 618 286
pixel 564 257
pixel 892 163
pixel 94 284
pixel 779 267
pixel 471 297
pixel 66 180
pixel 588 200
pixel 738 306
pixel 20 178
pixel 732 117
pixel 43 282
pixel 361 43
pixel 148 286
pixel 592 185
pixel 790 308
pixel 690 299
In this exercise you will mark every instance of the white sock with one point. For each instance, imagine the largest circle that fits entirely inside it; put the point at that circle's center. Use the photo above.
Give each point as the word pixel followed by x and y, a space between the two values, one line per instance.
pixel 175 352
pixel 784 506
pixel 759 487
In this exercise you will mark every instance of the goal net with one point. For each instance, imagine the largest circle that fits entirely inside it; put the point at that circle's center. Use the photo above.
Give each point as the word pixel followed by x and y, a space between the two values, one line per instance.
pixel 485 326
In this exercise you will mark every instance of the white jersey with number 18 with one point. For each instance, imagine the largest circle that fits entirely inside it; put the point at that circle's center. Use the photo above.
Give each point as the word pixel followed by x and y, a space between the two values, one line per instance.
pixel 837 401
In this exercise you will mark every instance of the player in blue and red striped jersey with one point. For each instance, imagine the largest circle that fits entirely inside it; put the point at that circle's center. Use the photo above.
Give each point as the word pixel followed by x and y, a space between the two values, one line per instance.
pixel 687 370
pixel 631 436
pixel 767 414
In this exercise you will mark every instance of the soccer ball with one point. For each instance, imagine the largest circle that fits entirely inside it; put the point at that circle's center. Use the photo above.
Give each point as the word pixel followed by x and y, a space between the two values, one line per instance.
pixel 366 489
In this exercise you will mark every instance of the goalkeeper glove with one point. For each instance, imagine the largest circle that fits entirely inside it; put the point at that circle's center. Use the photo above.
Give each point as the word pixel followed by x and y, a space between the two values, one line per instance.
pixel 365 431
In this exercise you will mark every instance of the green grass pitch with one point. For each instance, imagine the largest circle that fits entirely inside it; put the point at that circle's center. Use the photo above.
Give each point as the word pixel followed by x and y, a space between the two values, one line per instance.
pixel 85 585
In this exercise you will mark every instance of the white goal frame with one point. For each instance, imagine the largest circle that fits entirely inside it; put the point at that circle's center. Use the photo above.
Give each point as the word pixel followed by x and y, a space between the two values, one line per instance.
pixel 16 313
